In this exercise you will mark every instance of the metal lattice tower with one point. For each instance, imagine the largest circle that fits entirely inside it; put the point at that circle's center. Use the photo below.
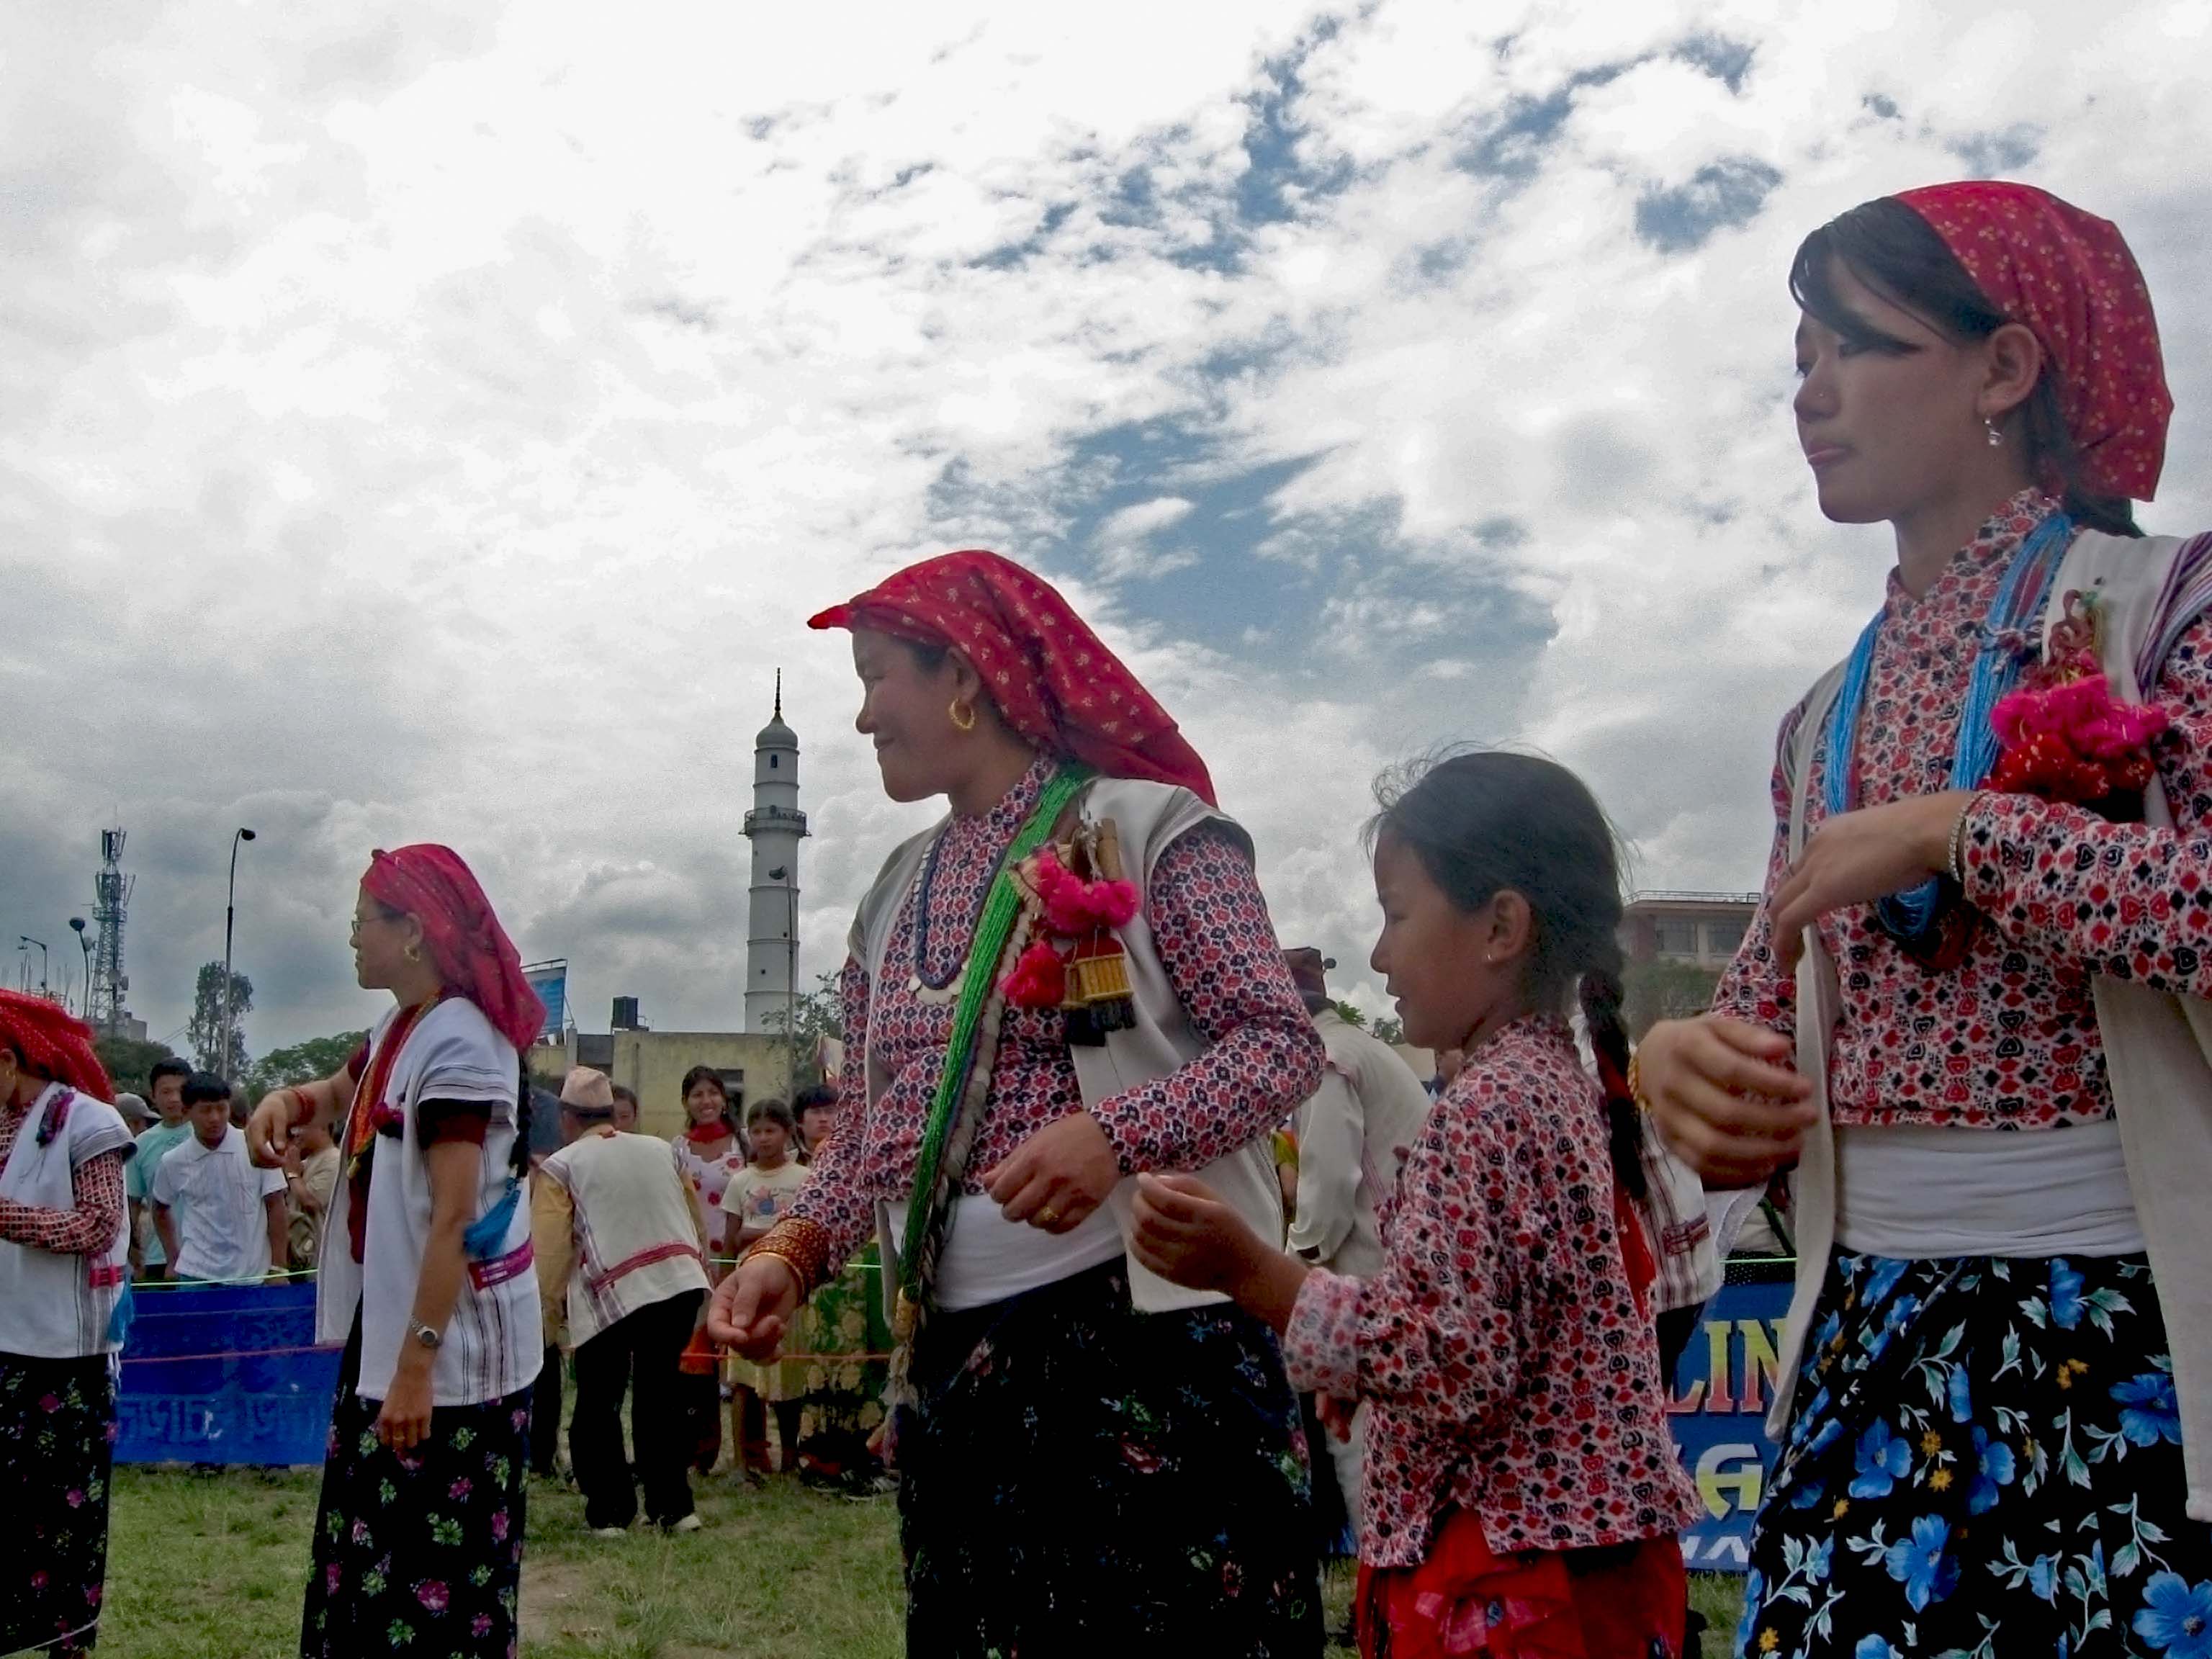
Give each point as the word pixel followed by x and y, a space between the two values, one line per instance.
pixel 110 902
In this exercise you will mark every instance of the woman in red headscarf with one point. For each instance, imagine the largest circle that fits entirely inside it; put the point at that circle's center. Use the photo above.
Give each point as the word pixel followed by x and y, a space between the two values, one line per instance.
pixel 1071 979
pixel 64 1256
pixel 425 1275
pixel 1971 1010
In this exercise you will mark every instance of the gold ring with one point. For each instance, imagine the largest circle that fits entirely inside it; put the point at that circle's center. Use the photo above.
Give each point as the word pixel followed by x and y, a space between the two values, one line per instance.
pixel 1048 1216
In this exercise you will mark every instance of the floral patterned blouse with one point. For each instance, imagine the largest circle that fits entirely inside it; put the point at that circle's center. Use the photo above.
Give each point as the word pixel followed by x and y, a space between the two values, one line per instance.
pixel 2009 1039
pixel 89 1225
pixel 1508 1370
pixel 1219 949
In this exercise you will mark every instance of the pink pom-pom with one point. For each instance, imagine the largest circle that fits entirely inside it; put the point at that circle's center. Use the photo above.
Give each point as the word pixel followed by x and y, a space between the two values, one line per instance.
pixel 1039 978
pixel 1074 907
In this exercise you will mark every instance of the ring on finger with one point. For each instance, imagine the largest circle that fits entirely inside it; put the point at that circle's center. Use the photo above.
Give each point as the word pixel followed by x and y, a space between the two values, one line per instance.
pixel 1048 1217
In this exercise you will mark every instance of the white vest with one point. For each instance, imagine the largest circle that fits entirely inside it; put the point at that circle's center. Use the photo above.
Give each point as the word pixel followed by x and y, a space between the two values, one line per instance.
pixel 58 1307
pixel 495 1341
pixel 636 1232
pixel 2157 1044
pixel 1149 818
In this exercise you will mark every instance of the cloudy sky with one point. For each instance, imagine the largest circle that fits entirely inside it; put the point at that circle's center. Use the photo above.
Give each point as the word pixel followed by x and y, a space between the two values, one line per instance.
pixel 434 422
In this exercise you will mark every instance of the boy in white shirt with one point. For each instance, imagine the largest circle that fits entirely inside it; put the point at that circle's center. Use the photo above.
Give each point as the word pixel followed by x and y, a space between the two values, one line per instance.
pixel 218 1217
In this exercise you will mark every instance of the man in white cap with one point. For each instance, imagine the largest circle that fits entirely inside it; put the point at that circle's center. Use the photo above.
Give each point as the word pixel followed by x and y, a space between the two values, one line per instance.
pixel 621 1263
pixel 1354 1133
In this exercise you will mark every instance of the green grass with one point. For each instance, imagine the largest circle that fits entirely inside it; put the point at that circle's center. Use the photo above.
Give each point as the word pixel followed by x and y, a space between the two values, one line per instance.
pixel 212 1566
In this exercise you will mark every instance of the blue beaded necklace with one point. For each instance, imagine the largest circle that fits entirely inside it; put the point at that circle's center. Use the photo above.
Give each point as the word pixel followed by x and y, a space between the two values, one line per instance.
pixel 1913 915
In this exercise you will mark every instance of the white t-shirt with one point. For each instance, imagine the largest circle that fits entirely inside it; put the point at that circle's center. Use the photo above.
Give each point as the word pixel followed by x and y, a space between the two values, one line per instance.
pixel 218 1199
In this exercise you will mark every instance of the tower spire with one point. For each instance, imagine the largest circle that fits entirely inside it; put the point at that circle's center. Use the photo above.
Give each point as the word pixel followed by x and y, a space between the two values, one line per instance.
pixel 778 694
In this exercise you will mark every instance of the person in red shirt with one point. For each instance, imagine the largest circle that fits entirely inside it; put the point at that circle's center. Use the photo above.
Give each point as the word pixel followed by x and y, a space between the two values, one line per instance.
pixel 1521 1493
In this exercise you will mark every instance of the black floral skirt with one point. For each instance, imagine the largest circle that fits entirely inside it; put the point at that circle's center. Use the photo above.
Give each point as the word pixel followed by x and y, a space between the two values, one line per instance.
pixel 1084 1478
pixel 1985 1459
pixel 419 1553
pixel 57 1446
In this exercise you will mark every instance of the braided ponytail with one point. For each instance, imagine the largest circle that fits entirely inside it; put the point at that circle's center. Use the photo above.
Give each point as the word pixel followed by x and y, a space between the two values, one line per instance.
pixel 1602 995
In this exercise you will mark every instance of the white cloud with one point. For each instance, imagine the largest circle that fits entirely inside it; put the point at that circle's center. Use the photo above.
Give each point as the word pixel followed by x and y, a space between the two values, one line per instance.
pixel 424 426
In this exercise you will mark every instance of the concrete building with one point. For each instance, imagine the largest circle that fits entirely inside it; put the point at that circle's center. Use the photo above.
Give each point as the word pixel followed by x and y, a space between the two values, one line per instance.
pixel 1700 930
pixel 752 1065
pixel 775 826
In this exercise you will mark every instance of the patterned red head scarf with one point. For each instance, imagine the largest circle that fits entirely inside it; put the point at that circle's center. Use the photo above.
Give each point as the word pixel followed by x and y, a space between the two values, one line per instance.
pixel 2069 276
pixel 49 1041
pixel 469 948
pixel 1047 674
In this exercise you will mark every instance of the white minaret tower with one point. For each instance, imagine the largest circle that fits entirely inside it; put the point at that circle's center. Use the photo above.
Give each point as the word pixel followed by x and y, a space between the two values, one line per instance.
pixel 775 826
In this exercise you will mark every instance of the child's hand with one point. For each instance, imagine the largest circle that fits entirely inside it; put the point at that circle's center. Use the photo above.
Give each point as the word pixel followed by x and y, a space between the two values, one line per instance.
pixel 1188 1236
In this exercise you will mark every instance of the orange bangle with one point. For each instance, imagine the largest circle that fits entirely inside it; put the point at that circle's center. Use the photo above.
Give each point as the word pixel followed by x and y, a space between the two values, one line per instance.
pixel 801 1245
pixel 302 1108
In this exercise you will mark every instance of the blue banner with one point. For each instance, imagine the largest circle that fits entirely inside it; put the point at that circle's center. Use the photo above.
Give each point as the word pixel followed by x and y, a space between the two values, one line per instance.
pixel 225 1374
pixel 1723 1390
pixel 550 980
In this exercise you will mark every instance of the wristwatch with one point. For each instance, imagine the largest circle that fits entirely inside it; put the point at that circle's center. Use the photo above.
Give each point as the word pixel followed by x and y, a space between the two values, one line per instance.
pixel 424 1334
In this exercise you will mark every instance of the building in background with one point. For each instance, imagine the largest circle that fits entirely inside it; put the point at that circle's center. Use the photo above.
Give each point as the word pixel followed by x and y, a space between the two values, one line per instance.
pixel 775 826
pixel 752 1065
pixel 1677 945
pixel 1702 930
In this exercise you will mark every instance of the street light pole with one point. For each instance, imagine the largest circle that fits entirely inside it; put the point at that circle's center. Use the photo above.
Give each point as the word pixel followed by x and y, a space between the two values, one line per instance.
pixel 229 916
pixel 84 943
pixel 25 939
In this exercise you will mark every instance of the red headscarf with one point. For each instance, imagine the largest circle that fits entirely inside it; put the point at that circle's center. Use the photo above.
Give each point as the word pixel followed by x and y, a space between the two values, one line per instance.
pixel 2069 276
pixel 52 1043
pixel 1049 676
pixel 469 948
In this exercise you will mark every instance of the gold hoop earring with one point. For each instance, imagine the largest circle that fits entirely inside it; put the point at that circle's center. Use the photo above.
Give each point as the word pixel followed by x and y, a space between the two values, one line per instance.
pixel 964 716
pixel 414 953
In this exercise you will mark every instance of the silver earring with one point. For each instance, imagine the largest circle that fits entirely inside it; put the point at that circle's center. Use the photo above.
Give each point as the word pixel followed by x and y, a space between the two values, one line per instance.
pixel 1996 438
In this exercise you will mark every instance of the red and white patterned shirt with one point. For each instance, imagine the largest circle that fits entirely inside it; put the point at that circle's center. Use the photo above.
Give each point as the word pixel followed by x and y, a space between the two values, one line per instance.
pixel 1219 949
pixel 2009 1039
pixel 89 1225
pixel 1508 1370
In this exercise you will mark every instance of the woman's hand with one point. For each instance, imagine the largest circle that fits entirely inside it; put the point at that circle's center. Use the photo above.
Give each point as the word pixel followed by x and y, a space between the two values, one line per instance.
pixel 752 1307
pixel 1058 1176
pixel 1723 1096
pixel 268 1132
pixel 404 1422
pixel 1861 857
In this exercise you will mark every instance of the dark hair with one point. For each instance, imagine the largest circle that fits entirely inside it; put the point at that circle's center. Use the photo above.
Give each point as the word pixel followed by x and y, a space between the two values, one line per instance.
pixel 201 1087
pixel 623 1091
pixel 1486 822
pixel 699 1074
pixel 815 1094
pixel 170 1067
pixel 517 1156
pixel 774 1111
pixel 1898 254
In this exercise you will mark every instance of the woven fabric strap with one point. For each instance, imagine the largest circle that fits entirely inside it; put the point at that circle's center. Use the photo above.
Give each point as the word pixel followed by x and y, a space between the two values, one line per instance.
pixel 934 1175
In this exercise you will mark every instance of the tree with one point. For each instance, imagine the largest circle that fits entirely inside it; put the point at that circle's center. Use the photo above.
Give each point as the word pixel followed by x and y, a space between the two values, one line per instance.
pixel 1349 1012
pixel 1656 990
pixel 814 1015
pixel 317 1057
pixel 130 1060
pixel 218 1051
pixel 1391 1032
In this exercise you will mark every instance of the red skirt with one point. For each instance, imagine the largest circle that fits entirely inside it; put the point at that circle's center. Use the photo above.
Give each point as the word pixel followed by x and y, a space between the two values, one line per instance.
pixel 1628 1602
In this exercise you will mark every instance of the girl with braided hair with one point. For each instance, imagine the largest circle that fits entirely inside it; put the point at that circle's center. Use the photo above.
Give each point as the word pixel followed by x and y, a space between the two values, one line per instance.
pixel 1521 1493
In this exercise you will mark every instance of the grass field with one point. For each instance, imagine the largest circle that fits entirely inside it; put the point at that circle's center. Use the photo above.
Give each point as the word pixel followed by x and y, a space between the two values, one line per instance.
pixel 210 1565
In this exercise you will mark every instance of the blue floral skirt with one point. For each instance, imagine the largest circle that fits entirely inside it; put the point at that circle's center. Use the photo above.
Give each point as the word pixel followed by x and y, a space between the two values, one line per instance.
pixel 1082 1477
pixel 57 1445
pixel 1985 1461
